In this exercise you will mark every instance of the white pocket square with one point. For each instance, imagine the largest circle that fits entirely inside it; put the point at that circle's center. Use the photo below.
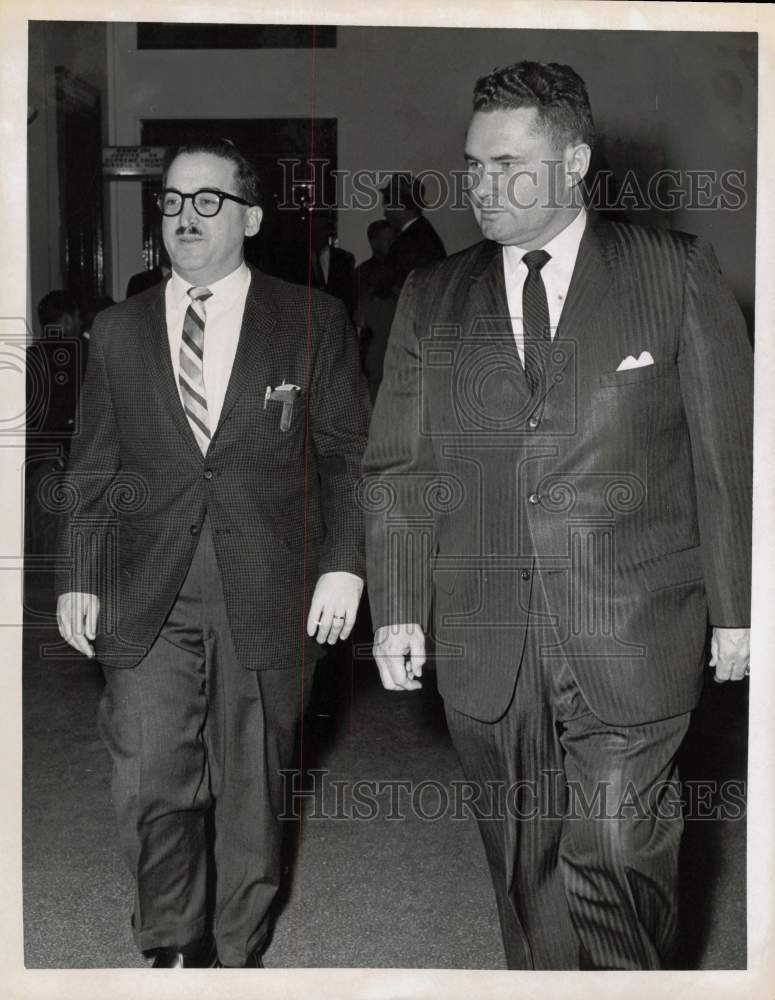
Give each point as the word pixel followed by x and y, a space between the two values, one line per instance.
pixel 639 362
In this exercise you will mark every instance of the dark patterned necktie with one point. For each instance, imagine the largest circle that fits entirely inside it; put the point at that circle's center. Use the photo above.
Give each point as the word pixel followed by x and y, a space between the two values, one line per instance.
pixel 535 317
pixel 191 375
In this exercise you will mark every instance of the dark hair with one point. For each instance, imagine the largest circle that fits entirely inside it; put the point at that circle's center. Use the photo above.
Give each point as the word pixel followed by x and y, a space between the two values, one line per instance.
pixel 402 190
pixel 555 91
pixel 376 227
pixel 248 186
pixel 53 306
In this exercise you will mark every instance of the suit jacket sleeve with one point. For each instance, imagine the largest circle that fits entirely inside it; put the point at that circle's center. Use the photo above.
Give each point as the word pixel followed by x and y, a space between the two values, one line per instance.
pixel 716 371
pixel 399 466
pixel 91 469
pixel 339 417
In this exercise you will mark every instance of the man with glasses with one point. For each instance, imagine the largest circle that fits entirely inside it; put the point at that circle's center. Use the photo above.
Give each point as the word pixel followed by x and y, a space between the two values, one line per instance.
pixel 222 422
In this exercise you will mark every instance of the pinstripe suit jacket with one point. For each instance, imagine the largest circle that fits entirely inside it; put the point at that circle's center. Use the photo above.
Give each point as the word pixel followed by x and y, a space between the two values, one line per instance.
pixel 281 502
pixel 612 510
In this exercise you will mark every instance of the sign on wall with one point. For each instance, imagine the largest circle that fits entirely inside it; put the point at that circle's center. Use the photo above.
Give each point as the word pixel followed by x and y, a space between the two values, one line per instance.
pixel 132 161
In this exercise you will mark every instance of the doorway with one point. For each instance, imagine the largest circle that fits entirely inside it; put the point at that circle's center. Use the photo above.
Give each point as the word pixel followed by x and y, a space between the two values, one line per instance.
pixel 79 154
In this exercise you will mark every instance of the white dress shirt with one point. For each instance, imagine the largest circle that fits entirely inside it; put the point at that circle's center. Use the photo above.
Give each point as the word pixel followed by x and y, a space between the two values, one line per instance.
pixel 224 310
pixel 556 275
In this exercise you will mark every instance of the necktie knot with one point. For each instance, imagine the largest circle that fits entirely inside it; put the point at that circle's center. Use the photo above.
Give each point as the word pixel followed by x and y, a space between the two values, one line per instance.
pixel 536 259
pixel 199 294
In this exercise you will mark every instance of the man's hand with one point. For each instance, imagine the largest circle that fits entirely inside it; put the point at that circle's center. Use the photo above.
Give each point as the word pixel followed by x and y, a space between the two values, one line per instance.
pixel 392 645
pixel 334 606
pixel 730 653
pixel 77 620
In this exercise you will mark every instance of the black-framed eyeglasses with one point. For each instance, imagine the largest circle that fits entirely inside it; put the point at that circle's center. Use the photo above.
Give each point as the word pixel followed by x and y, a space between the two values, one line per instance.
pixel 207 201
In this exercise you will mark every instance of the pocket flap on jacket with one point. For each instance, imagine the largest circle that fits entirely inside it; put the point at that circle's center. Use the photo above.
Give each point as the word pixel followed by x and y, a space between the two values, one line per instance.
pixel 674 568
pixel 629 376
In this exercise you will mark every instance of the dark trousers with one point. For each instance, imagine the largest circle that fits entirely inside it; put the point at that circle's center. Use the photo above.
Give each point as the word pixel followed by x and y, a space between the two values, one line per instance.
pixel 581 823
pixel 188 729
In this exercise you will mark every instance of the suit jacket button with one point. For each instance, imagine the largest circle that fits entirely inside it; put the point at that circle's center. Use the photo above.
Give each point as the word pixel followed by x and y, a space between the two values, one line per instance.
pixel 194 529
pixel 534 498
pixel 208 474
pixel 525 574
pixel 533 423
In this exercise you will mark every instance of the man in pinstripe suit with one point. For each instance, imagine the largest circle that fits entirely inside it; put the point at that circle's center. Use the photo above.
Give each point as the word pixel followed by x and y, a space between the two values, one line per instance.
pixel 222 422
pixel 559 478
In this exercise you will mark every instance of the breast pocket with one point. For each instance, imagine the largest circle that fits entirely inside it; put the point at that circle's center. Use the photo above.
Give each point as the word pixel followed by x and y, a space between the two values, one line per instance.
pixel 284 417
pixel 636 376
pixel 636 405
pixel 280 429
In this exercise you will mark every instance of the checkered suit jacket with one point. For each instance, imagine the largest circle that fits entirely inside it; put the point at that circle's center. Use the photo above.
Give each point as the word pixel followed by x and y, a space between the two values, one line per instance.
pixel 281 502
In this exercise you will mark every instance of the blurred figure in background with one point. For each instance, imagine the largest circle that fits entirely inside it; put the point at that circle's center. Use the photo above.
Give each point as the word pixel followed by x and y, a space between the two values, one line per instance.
pixel 147 279
pixel 332 269
pixel 376 301
pixel 417 243
pixel 89 313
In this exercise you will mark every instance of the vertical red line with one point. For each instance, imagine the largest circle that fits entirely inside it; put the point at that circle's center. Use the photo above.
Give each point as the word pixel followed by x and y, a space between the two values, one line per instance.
pixel 305 590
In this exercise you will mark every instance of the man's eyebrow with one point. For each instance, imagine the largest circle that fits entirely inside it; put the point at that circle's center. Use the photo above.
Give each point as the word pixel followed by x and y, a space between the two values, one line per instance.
pixel 500 158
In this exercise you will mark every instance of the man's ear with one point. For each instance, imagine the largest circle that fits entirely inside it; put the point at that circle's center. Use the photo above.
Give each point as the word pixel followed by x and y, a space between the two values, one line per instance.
pixel 577 163
pixel 253 218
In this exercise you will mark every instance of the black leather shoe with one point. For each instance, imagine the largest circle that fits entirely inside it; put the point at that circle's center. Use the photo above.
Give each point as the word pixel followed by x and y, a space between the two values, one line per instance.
pixel 253 962
pixel 201 955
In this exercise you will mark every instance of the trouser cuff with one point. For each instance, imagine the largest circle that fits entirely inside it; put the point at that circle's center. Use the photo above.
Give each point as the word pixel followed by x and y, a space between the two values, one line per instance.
pixel 173 936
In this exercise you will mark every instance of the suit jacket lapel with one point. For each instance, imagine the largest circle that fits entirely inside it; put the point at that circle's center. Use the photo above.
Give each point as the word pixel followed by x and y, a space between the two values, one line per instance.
pixel 581 315
pixel 489 311
pixel 258 322
pixel 488 298
pixel 590 282
pixel 258 325
pixel 157 356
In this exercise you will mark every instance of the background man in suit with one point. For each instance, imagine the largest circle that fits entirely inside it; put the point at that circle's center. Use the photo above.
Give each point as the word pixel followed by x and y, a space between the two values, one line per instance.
pixel 580 394
pixel 333 269
pixel 223 420
pixel 376 302
pixel 147 279
pixel 417 243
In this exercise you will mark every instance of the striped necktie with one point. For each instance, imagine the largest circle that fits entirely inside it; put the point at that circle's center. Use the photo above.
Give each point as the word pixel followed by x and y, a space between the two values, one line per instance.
pixel 191 375
pixel 535 317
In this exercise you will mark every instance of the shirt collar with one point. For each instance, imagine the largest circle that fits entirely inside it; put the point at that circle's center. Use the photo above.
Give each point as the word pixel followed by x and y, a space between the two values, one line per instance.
pixel 562 248
pixel 225 290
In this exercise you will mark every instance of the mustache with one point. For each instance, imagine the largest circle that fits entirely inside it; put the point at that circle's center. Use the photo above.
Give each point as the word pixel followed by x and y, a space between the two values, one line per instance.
pixel 190 230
